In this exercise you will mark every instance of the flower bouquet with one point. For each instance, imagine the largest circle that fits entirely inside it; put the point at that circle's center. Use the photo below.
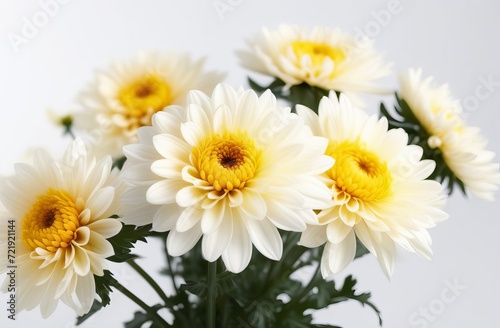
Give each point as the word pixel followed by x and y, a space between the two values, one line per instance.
pixel 259 195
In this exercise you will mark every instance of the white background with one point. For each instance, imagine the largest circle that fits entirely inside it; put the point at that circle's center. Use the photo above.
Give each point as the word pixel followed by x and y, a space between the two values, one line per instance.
pixel 456 41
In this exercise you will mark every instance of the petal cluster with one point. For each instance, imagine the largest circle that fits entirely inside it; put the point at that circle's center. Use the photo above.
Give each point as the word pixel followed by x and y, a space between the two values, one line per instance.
pixel 230 169
pixel 380 192
pixel 126 96
pixel 322 57
pixel 62 211
pixel 462 146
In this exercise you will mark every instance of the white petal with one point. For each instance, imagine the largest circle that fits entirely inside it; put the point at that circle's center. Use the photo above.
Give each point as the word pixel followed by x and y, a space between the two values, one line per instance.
pixel 215 243
pixel 188 219
pixel 314 236
pixel 342 254
pixel 337 231
pixel 237 254
pixel 81 262
pixel 100 201
pixel 166 217
pixel 213 217
pixel 190 196
pixel 106 227
pixel 164 191
pixel 265 238
pixel 179 243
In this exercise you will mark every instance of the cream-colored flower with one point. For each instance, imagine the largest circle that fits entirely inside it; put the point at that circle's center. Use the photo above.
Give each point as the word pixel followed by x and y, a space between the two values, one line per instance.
pixel 322 57
pixel 231 168
pixel 462 146
pixel 62 212
pixel 124 98
pixel 380 191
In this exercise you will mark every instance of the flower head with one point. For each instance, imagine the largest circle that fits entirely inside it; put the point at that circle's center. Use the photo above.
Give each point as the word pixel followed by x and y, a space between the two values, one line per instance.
pixel 462 147
pixel 62 212
pixel 126 97
pixel 380 194
pixel 231 168
pixel 321 57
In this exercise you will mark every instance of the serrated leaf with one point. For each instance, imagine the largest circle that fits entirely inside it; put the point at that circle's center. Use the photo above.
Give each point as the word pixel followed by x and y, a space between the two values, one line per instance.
pixel 124 241
pixel 139 319
pixel 103 286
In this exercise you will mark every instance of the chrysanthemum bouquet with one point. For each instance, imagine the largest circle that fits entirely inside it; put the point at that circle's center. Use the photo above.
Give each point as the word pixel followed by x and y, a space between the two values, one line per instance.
pixel 245 188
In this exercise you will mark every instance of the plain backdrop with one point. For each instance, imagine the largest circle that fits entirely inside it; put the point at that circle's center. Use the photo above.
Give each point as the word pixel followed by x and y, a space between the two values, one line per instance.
pixel 456 41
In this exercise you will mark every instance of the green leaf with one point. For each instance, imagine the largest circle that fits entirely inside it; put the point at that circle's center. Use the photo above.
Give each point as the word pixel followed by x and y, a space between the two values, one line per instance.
pixel 326 294
pixel 96 306
pixel 276 86
pixel 361 250
pixel 139 319
pixel 103 286
pixel 124 241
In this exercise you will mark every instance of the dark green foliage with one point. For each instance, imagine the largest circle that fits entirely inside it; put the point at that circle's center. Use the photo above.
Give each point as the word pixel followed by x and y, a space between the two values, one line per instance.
pixel 303 93
pixel 141 318
pixel 255 297
pixel 266 294
pixel 124 241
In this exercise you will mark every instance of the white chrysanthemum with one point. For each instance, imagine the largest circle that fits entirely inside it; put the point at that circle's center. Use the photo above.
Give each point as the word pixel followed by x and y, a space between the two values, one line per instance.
pixel 124 99
pixel 379 189
pixel 62 212
pixel 326 58
pixel 463 147
pixel 232 168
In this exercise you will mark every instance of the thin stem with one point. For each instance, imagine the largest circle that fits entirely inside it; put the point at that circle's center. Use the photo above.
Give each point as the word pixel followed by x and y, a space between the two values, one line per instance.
pixel 169 263
pixel 150 281
pixel 149 310
pixel 211 295
pixel 312 283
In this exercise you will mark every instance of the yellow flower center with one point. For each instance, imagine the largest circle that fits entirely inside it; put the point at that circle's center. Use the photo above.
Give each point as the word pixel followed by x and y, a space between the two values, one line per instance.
pixel 144 97
pixel 359 172
pixel 51 221
pixel 318 52
pixel 227 161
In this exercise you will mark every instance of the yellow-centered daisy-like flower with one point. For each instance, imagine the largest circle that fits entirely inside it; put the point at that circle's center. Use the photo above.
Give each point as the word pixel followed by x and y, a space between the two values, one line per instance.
pixel 125 98
pixel 321 57
pixel 380 194
pixel 462 146
pixel 62 211
pixel 231 168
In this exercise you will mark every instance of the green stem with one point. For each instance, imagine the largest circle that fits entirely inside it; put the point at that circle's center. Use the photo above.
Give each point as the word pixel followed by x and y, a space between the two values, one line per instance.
pixel 307 289
pixel 211 295
pixel 150 281
pixel 149 310
pixel 172 276
pixel 312 283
